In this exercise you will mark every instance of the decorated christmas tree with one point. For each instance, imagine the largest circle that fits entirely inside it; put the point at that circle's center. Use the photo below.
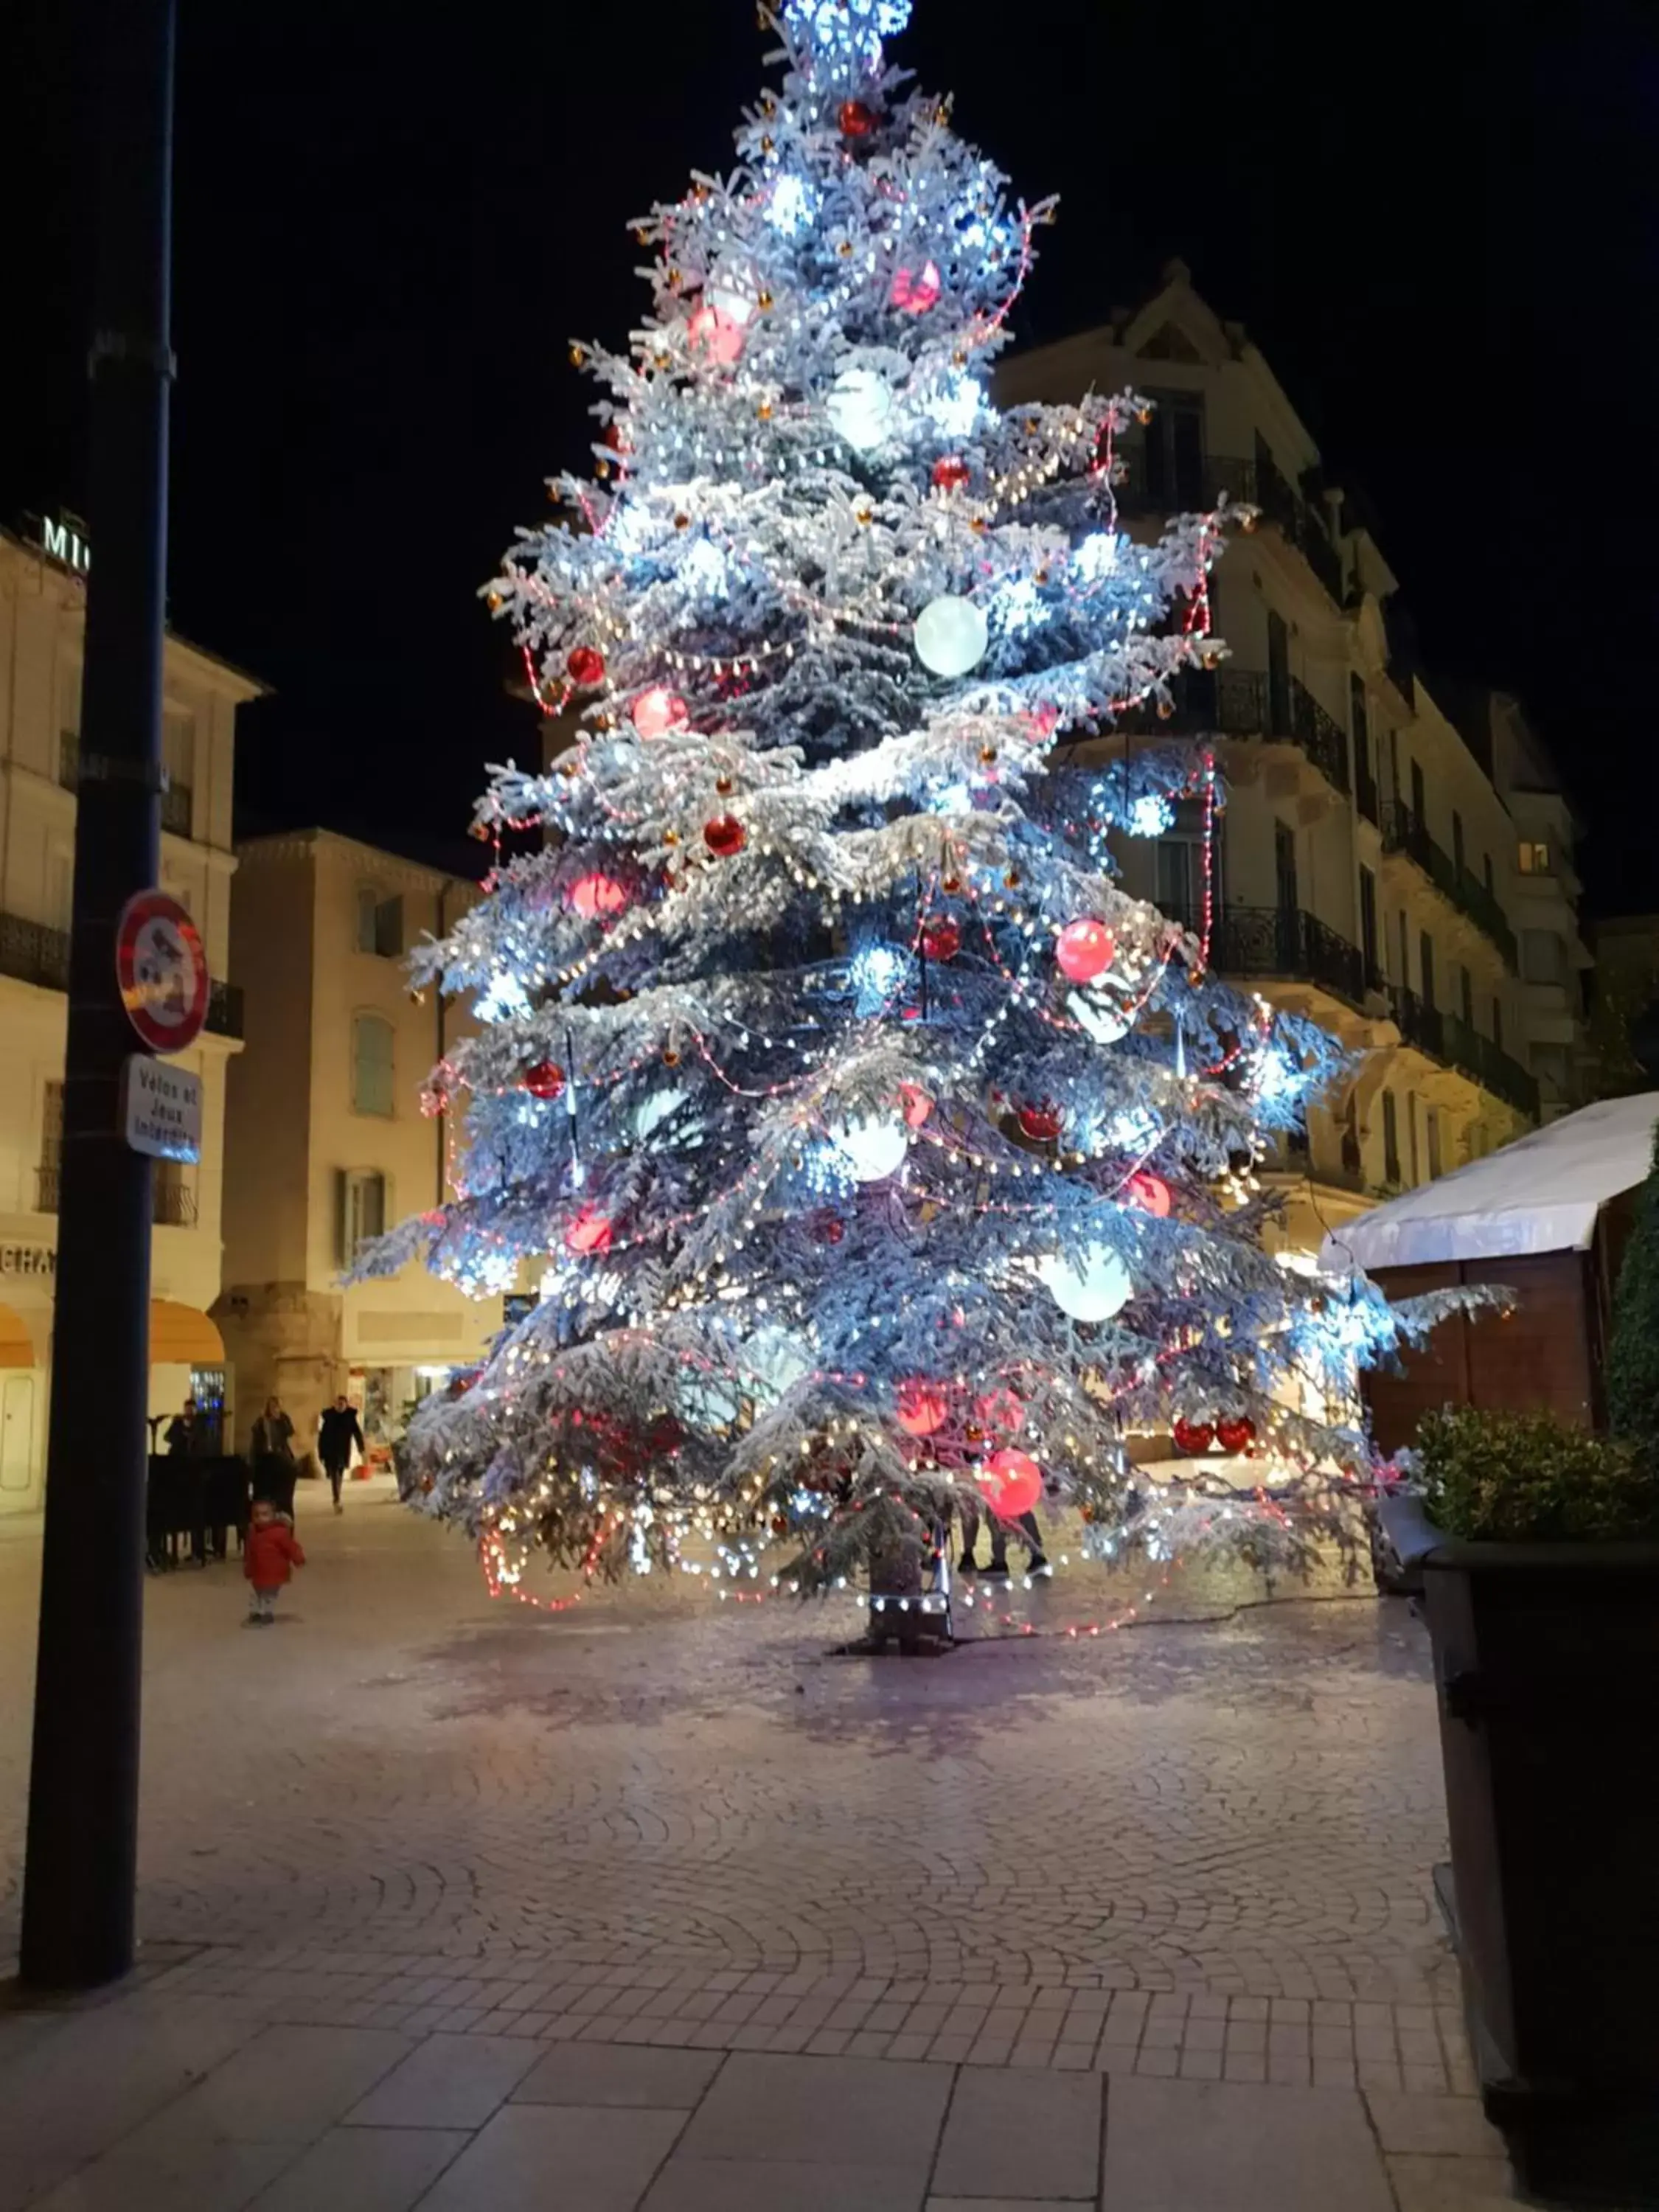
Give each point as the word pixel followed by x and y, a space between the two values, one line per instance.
pixel 879 1162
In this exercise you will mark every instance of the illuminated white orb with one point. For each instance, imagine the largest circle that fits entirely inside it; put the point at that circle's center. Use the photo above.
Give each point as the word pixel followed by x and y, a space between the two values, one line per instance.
pixel 951 636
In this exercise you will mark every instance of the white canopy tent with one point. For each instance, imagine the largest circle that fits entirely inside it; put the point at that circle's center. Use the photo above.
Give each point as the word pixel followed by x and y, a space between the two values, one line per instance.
pixel 1540 1194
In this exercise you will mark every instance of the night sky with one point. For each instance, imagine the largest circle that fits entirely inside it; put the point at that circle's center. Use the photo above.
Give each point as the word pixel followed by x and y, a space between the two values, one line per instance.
pixel 1440 224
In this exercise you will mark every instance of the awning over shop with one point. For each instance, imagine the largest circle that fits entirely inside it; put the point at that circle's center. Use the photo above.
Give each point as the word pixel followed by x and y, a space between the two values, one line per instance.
pixel 1540 1194
pixel 181 1337
pixel 16 1347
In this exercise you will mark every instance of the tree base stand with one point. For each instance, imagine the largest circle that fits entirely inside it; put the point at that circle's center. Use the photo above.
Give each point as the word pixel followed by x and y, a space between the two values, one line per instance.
pixel 912 1623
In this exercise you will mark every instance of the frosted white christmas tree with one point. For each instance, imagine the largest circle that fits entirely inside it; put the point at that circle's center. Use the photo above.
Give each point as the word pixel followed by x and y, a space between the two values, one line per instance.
pixel 877 1159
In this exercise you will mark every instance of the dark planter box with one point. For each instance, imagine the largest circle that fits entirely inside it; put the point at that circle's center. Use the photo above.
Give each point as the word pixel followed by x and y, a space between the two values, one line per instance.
pixel 1546 1665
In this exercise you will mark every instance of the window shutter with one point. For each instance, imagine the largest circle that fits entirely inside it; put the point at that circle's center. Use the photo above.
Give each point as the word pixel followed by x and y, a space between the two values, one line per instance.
pixel 342 1225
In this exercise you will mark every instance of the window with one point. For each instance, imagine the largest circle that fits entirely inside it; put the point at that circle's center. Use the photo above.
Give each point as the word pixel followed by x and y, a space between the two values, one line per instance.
pixel 179 759
pixel 362 1211
pixel 1419 796
pixel 60 887
pixel 1434 1143
pixel 1425 957
pixel 1175 452
pixel 1466 996
pixel 172 1200
pixel 371 1064
pixel 1279 678
pixel 1368 921
pixel 1390 1139
pixel 1360 719
pixel 1486 875
pixel 379 924
pixel 1179 859
pixel 1533 859
pixel 1457 840
pixel 1405 954
pixel 1285 867
pixel 1411 1125
pixel 1497 1022
pixel 1543 956
pixel 52 1148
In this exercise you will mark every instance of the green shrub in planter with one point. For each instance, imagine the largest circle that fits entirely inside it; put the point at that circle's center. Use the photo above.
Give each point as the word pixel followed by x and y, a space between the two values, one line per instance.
pixel 1525 1478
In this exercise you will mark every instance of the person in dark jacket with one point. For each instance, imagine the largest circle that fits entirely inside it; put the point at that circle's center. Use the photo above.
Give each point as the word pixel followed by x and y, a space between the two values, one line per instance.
pixel 274 1470
pixel 184 1437
pixel 336 1432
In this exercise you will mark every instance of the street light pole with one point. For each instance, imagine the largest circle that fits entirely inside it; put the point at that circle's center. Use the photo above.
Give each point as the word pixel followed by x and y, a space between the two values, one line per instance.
pixel 81 1870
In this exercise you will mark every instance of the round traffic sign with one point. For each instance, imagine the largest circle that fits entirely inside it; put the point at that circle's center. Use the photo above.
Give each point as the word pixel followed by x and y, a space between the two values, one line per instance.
pixel 162 971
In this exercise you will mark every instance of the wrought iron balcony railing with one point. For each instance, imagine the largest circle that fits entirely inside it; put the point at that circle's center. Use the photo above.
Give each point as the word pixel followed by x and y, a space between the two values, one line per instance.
pixel 1247 941
pixel 1283 505
pixel 173 1205
pixel 1157 481
pixel 1458 1043
pixel 1404 832
pixel 177 810
pixel 1248 703
pixel 34 952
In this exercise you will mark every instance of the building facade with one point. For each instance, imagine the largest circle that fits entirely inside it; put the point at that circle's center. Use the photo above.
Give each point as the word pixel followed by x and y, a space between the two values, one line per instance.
pixel 1368 867
pixel 42 642
pixel 326 1144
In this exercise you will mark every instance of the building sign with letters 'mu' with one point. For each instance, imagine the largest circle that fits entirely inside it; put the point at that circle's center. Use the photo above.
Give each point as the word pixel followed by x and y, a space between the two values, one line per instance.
pixel 160 1108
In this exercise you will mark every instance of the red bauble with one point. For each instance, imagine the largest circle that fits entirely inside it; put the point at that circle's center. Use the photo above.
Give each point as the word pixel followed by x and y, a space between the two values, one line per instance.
pixel 615 440
pixel 1042 723
pixel 1192 1437
pixel 1040 1123
pixel 941 937
pixel 951 473
pixel 1084 950
pixel 587 667
pixel 544 1080
pixel 590 1233
pixel 1150 1192
pixel 1236 1436
pixel 657 710
pixel 1011 1482
pixel 597 895
pixel 829 1228
pixel 916 1104
pixel 725 836
pixel 916 292
pixel 855 119
pixel 721 337
pixel 922 1405
pixel 1001 1409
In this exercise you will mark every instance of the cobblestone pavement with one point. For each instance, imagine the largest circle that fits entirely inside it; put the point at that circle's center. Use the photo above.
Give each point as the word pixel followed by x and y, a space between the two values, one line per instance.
pixel 1194 1850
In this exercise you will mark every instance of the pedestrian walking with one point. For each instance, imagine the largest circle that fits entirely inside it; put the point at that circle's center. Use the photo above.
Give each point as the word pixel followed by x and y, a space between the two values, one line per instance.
pixel 1030 1534
pixel 273 1553
pixel 273 1469
pixel 336 1432
pixel 183 1439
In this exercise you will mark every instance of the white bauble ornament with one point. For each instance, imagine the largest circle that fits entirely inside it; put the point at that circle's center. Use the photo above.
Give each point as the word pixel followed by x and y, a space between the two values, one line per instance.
pixel 873 1146
pixel 1092 1288
pixel 951 636
pixel 654 1109
pixel 860 407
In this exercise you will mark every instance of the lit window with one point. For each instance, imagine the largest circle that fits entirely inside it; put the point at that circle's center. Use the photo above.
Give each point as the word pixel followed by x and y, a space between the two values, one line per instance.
pixel 1533 859
pixel 371 1064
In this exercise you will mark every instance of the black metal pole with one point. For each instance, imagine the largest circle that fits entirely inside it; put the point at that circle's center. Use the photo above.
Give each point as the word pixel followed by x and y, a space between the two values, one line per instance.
pixel 79 1874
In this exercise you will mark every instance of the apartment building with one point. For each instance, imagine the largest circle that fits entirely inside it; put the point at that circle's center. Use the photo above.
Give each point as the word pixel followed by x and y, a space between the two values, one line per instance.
pixel 42 642
pixel 1370 870
pixel 326 1144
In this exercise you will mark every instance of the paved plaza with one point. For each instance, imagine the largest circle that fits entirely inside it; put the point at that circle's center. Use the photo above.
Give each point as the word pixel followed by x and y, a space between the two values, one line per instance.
pixel 442 1898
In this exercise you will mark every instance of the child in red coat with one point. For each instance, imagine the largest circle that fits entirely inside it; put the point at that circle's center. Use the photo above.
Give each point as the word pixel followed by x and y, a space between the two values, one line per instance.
pixel 273 1552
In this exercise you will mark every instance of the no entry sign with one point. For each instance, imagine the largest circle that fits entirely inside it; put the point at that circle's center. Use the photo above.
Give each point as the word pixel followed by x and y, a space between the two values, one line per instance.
pixel 162 971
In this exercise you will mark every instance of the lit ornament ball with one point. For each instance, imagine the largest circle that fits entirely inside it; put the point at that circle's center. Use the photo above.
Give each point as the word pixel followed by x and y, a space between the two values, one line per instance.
pixel 1093 1288
pixel 544 1080
pixel 1011 1482
pixel 725 836
pixel 1150 1192
pixel 1236 1436
pixel 657 711
pixel 861 409
pixel 922 1405
pixel 590 1233
pixel 941 937
pixel 916 1103
pixel 718 334
pixel 950 635
pixel 586 664
pixel 915 293
pixel 1084 950
pixel 873 1146
pixel 595 895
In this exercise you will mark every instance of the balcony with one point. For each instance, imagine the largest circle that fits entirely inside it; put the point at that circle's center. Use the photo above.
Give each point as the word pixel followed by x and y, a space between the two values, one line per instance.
pixel 177 810
pixel 1458 1043
pixel 1248 703
pixel 1403 832
pixel 1155 482
pixel 172 1203
pixel 1282 505
pixel 34 952
pixel 1286 943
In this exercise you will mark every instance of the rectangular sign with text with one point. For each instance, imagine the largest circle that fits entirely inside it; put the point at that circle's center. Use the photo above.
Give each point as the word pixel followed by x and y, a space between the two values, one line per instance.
pixel 162 1109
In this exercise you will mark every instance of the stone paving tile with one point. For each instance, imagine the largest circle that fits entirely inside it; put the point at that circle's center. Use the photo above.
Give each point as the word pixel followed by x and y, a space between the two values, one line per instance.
pixel 602 2163
pixel 362 2170
pixel 871 2112
pixel 1437 2126
pixel 205 2175
pixel 593 2077
pixel 1453 2184
pixel 1226 2147
pixel 286 2085
pixel 448 2081
pixel 688 2184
